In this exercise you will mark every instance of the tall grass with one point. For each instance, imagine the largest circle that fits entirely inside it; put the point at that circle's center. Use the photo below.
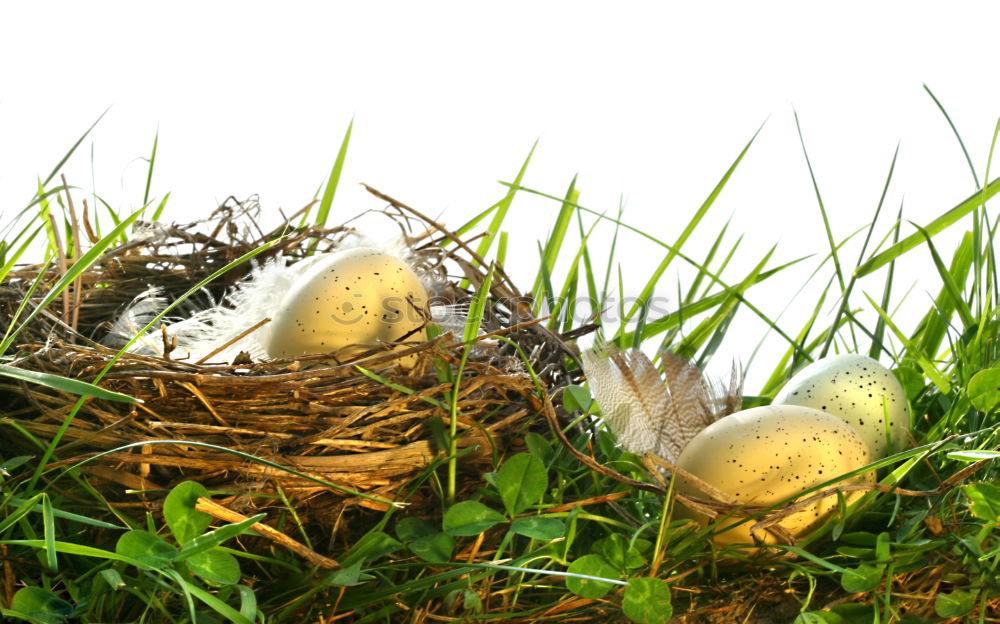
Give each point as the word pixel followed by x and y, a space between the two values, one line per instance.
pixel 573 541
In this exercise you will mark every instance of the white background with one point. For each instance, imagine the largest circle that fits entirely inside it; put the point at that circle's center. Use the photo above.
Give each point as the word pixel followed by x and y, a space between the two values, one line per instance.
pixel 648 102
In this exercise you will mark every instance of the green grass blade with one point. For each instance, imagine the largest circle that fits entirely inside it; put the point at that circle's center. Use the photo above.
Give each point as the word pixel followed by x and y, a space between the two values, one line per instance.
pixel 846 294
pixel 698 337
pixel 74 271
pixel 932 373
pixel 501 209
pixel 502 249
pixel 546 292
pixel 991 231
pixel 149 173
pixel 611 254
pixel 160 207
pixel 470 333
pixel 58 513
pixel 588 268
pixel 331 183
pixel 695 285
pixel 877 336
pixel 471 223
pixel 933 327
pixel 25 300
pixel 555 240
pixel 674 250
pixel 62 162
pixel 8 266
pixel 822 208
pixel 114 217
pixel 49 533
pixel 566 303
pixel 64 384
pixel 961 143
pixel 789 362
pixel 951 286
pixel 674 319
pixel 933 228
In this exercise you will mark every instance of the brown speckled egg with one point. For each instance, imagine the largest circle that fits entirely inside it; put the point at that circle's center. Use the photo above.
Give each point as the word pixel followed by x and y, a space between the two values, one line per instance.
pixel 351 301
pixel 852 387
pixel 765 455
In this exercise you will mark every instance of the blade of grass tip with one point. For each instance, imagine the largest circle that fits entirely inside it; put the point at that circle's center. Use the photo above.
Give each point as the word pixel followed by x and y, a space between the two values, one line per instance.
pixel 668 336
pixel 934 326
pixel 564 303
pixel 619 338
pixel 149 173
pixel 14 229
pixel 8 266
pixel 879 333
pixel 501 211
pixel 59 165
pixel 790 361
pixel 673 251
pixel 323 212
pixel 553 243
pixel 587 265
pixel 822 208
pixel 715 278
pixel 701 333
pixel 991 257
pixel 695 286
pixel 471 223
pixel 950 283
pixel 93 191
pixel 160 207
pixel 715 340
pixel 123 239
pixel 846 298
pixel 933 228
pixel 611 253
pixel 545 291
pixel 502 249
pixel 64 384
pixel 567 296
pixel 640 326
pixel 568 303
pixel 51 232
pixel 708 302
pixel 958 136
pixel 477 308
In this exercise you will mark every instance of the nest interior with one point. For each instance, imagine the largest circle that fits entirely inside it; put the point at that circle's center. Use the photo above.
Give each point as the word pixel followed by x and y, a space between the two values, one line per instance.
pixel 321 433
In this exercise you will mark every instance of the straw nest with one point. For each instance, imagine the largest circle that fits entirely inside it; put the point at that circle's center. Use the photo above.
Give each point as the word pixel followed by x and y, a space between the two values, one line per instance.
pixel 316 434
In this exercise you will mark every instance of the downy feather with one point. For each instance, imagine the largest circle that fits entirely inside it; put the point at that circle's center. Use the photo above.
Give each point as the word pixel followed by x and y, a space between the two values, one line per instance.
pixel 650 414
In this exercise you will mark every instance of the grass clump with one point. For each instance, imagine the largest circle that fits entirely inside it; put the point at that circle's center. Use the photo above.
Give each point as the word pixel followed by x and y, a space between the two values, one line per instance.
pixel 139 488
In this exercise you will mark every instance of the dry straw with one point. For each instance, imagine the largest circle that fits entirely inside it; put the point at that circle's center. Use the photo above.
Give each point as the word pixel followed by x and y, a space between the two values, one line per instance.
pixel 326 437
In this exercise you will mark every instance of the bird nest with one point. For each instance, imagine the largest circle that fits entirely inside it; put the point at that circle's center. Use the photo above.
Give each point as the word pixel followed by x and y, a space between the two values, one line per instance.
pixel 323 434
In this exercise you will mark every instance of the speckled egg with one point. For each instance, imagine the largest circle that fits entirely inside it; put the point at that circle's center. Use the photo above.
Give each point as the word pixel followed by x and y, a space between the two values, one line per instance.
pixel 852 387
pixel 764 455
pixel 349 302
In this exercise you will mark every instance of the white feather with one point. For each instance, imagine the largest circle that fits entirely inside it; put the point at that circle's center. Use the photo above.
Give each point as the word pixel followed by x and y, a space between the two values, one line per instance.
pixel 253 299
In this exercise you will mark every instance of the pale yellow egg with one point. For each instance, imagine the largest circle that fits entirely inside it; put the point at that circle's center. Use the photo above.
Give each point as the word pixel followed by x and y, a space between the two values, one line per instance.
pixel 349 302
pixel 765 455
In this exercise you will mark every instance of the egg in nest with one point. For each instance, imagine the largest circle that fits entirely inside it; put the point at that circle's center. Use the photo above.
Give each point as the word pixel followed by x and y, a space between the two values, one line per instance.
pixel 348 302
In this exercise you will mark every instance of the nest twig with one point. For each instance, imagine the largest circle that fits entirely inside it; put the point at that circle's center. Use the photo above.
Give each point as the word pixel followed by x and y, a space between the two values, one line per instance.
pixel 326 434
